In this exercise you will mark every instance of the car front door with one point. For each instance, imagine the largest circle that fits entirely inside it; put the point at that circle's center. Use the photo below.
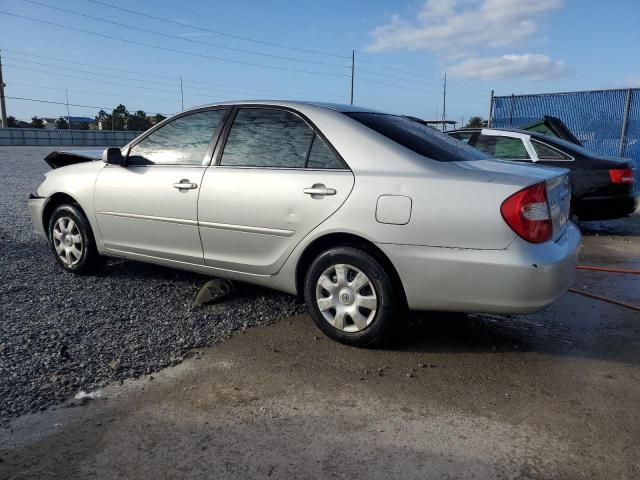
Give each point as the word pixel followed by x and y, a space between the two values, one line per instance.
pixel 275 180
pixel 149 206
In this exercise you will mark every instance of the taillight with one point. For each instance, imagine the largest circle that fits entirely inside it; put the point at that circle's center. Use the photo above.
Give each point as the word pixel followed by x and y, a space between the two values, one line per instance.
pixel 527 213
pixel 621 175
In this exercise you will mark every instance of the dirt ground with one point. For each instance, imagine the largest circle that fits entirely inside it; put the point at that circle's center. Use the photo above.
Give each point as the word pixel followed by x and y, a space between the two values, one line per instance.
pixel 549 395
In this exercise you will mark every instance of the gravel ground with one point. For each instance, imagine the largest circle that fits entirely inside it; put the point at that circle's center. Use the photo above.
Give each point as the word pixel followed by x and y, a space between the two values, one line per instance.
pixel 60 334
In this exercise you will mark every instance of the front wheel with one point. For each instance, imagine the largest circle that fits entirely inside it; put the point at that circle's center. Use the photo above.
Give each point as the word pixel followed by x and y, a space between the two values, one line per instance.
pixel 72 240
pixel 351 297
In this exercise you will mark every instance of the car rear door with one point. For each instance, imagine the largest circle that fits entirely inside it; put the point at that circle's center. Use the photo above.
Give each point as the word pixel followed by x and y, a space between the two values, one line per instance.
pixel 274 181
pixel 149 206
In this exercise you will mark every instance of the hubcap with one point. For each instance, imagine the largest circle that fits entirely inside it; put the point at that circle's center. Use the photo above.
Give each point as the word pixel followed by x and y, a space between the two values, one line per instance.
pixel 67 241
pixel 346 298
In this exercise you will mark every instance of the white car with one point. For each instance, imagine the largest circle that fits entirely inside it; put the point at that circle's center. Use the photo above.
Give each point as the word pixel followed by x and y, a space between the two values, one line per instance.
pixel 363 213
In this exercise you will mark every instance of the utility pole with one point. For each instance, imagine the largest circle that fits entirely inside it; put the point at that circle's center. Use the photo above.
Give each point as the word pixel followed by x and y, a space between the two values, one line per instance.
pixel 3 107
pixel 66 94
pixel 181 93
pixel 444 101
pixel 353 68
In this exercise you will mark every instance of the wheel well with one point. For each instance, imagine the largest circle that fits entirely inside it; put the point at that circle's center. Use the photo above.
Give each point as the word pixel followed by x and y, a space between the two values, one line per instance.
pixel 55 201
pixel 340 240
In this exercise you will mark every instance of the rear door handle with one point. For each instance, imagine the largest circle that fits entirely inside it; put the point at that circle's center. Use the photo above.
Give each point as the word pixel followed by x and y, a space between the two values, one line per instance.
pixel 185 184
pixel 319 190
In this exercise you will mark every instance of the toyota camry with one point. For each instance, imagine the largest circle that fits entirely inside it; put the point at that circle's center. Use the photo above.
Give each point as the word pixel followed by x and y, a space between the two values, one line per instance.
pixel 362 213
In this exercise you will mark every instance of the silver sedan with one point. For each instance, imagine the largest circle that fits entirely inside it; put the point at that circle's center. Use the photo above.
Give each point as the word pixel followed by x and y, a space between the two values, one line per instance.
pixel 362 213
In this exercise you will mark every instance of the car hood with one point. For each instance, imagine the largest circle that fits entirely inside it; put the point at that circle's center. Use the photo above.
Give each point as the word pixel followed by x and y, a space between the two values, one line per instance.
pixel 59 159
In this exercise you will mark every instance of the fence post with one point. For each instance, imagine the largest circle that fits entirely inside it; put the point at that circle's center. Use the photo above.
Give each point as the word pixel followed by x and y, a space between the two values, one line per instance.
pixel 513 99
pixel 625 121
pixel 490 111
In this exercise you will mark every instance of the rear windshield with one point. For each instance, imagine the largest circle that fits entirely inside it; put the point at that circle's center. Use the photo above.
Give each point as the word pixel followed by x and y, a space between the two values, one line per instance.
pixel 421 139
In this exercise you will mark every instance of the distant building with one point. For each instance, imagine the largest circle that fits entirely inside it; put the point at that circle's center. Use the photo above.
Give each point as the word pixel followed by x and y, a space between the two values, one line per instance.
pixel 51 122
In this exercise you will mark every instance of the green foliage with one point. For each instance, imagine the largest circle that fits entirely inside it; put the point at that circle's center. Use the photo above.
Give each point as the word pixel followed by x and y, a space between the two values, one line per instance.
pixel 476 122
pixel 12 122
pixel 61 123
pixel 138 122
pixel 119 117
pixel 36 122
pixel 157 118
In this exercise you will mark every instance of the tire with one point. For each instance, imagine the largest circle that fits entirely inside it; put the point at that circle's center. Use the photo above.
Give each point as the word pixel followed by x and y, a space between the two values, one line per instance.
pixel 71 240
pixel 351 297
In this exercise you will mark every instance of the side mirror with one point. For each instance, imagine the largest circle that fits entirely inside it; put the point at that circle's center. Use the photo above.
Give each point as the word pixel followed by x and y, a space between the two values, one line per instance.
pixel 112 156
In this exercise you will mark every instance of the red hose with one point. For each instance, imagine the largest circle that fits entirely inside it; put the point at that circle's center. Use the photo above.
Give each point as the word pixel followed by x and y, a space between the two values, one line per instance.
pixel 608 269
pixel 605 299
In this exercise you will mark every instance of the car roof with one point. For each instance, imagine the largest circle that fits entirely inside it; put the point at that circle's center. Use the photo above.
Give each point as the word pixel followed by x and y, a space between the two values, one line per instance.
pixel 338 107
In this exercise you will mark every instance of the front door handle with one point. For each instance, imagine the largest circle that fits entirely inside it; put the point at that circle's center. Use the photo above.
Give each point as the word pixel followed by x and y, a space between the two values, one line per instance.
pixel 185 184
pixel 319 190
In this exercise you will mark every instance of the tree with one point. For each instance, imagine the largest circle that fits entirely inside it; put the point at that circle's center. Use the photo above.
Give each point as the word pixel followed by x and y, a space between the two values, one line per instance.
pixel 138 121
pixel 106 120
pixel 37 122
pixel 476 122
pixel 157 118
pixel 61 123
pixel 12 122
pixel 119 117
pixel 80 126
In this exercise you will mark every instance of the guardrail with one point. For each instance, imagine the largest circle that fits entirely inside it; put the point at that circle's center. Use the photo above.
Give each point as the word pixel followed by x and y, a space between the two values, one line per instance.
pixel 52 137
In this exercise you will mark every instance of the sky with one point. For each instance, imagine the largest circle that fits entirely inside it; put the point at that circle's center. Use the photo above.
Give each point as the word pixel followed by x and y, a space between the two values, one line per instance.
pixel 303 50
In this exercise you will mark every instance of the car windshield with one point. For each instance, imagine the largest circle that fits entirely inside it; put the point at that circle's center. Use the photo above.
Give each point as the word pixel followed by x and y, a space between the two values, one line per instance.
pixel 424 140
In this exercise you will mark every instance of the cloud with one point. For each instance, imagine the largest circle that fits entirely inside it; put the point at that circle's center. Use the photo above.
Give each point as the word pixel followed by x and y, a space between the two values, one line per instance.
pixel 525 67
pixel 453 25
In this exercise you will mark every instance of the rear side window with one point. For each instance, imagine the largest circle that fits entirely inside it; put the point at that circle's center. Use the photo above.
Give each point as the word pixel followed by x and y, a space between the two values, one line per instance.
pixel 426 141
pixel 182 141
pixel 547 153
pixel 321 156
pixel 502 147
pixel 261 137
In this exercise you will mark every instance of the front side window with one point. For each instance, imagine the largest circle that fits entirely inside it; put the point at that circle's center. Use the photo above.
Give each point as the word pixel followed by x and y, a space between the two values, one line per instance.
pixel 547 153
pixel 421 139
pixel 268 138
pixel 182 141
pixel 502 147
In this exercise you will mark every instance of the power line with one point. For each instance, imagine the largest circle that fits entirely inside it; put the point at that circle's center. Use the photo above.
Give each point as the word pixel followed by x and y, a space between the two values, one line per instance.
pixel 217 32
pixel 187 87
pixel 404 87
pixel 91 79
pixel 183 39
pixel 93 73
pixel 106 94
pixel 88 64
pixel 176 79
pixel 393 77
pixel 173 50
pixel 38 100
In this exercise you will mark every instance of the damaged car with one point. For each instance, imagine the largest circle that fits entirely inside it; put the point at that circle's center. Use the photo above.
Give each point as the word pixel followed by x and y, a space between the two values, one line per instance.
pixel 364 214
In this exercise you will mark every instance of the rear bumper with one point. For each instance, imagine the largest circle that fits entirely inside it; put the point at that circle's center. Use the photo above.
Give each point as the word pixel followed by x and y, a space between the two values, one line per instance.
pixel 520 279
pixel 605 208
pixel 36 205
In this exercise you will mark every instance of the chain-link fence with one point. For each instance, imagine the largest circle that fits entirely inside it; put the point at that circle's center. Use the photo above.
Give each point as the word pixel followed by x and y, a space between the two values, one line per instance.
pixel 605 121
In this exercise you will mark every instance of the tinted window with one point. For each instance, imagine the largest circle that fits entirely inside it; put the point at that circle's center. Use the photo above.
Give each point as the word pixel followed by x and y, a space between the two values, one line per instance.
pixel 263 137
pixel 182 141
pixel 321 155
pixel 502 147
pixel 547 153
pixel 421 139
pixel 462 136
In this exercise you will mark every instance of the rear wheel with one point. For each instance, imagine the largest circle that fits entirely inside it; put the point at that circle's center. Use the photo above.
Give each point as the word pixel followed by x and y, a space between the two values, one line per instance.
pixel 72 240
pixel 351 297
